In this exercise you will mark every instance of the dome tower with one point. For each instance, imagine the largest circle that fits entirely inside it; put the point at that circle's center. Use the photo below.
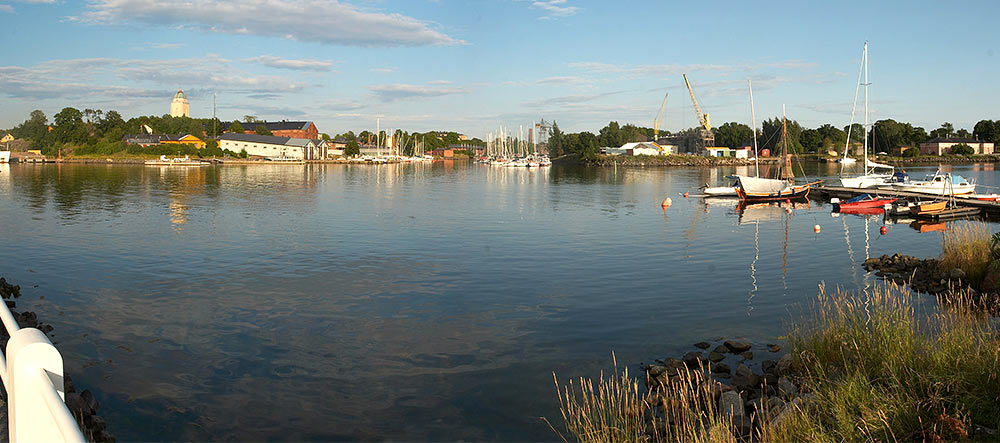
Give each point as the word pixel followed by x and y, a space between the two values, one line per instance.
pixel 179 107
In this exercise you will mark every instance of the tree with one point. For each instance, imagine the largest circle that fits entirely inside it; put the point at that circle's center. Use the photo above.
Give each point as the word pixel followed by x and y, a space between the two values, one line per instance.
pixel 857 131
pixel 325 136
pixel 250 119
pixel 587 147
pixel 987 131
pixel 946 130
pixel 962 149
pixel 556 141
pixel 733 135
pixel 69 127
pixel 632 133
pixel 963 133
pixel 610 135
pixel 911 152
pixel 352 149
pixel 771 135
pixel 262 130
pixel 236 127
pixel 243 153
pixel 34 128
pixel 111 120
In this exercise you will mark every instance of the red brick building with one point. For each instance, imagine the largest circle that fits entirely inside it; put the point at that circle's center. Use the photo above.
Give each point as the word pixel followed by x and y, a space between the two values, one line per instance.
pixel 284 129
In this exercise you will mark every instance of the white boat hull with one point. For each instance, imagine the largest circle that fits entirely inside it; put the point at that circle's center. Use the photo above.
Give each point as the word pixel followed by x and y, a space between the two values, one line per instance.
pixel 865 181
pixel 721 191
pixel 4 156
pixel 934 188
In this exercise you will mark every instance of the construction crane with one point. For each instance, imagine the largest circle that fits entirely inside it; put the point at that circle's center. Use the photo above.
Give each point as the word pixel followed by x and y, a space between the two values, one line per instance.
pixel 659 117
pixel 705 137
pixel 702 118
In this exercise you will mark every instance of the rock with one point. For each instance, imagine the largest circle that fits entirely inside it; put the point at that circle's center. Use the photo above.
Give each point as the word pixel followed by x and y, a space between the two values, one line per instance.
pixel 719 368
pixel 730 402
pixel 722 349
pixel 957 274
pixel 737 346
pixel 991 281
pixel 91 401
pixel 694 359
pixel 77 405
pixel 104 437
pixel 655 370
pixel 785 365
pixel 771 381
pixel 774 348
pixel 674 366
pixel 744 378
pixel 95 423
pixel 702 345
pixel 983 431
pixel 747 355
pixel 715 357
pixel 767 366
pixel 724 375
pixel 787 389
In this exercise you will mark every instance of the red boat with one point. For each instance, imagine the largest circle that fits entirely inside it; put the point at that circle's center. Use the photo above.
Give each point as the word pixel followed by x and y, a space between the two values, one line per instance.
pixel 863 201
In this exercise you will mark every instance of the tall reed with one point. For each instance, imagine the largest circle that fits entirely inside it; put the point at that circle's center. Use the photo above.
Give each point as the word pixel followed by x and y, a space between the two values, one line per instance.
pixel 967 246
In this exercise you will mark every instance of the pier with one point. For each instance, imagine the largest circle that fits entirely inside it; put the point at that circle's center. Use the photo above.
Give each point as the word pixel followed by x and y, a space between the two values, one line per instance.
pixel 989 207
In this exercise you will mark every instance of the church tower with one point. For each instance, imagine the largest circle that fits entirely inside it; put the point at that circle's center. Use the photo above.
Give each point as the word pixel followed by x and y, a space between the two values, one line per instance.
pixel 179 107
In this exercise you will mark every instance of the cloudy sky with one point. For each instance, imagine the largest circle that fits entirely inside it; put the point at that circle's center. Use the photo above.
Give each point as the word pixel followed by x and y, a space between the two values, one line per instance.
pixel 470 65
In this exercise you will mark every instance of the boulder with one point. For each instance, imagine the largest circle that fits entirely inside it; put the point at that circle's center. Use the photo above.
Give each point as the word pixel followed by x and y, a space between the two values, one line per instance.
pixel 737 346
pixel 655 370
pixel 715 357
pixel 787 389
pixel 730 402
pixel 991 281
pixel 722 349
pixel 767 366
pixel 88 397
pixel 747 355
pixel 77 405
pixel 702 345
pixel 957 274
pixel 773 348
pixel 674 366
pixel 694 359
pixel 744 378
pixel 720 368
pixel 785 365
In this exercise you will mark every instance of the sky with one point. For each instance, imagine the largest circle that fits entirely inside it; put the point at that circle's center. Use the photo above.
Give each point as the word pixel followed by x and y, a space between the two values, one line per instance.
pixel 473 65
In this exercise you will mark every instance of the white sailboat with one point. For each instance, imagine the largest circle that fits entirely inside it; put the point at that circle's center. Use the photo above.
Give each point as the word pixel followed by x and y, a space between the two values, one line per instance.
pixel 772 189
pixel 871 177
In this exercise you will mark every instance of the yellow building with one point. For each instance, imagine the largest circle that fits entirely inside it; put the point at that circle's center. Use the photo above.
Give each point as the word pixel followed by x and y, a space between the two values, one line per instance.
pixel 7 138
pixel 179 107
pixel 184 140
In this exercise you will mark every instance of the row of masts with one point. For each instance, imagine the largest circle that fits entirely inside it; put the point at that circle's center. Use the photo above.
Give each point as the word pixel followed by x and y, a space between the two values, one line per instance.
pixel 503 144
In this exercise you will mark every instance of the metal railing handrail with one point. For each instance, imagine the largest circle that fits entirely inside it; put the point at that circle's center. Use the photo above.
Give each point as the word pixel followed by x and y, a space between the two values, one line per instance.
pixel 32 370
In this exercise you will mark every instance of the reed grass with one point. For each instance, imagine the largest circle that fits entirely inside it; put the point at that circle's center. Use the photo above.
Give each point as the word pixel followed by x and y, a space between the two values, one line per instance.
pixel 969 247
pixel 883 367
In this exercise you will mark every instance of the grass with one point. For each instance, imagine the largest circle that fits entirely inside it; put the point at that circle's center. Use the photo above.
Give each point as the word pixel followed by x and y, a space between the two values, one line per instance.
pixel 615 409
pixel 968 246
pixel 879 365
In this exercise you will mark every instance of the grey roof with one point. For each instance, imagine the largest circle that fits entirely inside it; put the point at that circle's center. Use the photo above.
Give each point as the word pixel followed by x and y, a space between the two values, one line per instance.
pixel 275 126
pixel 952 140
pixel 255 138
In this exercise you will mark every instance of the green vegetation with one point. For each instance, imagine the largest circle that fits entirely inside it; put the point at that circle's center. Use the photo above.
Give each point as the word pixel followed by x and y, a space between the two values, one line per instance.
pixel 962 149
pixel 352 149
pixel 262 130
pixel 969 247
pixel 236 128
pixel 911 152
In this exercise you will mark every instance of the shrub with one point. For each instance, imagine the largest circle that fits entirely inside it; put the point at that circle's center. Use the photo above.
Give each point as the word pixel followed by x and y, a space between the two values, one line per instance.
pixel 911 152
pixel 962 149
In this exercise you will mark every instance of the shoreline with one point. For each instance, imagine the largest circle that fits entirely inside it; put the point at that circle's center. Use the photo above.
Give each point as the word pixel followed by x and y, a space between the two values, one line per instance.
pixel 684 160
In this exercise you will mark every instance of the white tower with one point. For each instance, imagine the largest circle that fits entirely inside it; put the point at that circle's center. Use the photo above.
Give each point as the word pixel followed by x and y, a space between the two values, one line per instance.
pixel 179 107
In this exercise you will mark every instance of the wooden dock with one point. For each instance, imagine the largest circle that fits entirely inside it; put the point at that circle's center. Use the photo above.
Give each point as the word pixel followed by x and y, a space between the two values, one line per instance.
pixel 989 207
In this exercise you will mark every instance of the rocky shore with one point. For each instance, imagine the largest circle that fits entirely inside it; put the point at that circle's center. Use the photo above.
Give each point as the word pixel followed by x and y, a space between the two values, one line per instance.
pixel 753 381
pixel 83 405
pixel 927 275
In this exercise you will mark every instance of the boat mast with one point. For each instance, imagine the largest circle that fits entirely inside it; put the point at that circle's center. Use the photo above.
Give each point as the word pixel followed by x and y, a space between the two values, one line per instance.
pixel 753 121
pixel 787 174
pixel 865 59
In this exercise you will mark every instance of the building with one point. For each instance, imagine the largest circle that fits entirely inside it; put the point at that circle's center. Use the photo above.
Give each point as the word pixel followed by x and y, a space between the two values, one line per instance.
pixel 641 148
pixel 7 138
pixel 284 128
pixel 943 145
pixel 275 147
pixel 145 140
pixel 179 107
pixel 723 151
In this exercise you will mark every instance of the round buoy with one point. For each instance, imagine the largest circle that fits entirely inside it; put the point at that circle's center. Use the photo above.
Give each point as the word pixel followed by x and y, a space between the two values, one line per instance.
pixel 685 195
pixel 788 210
pixel 788 200
pixel 667 202
pixel 883 231
pixel 816 229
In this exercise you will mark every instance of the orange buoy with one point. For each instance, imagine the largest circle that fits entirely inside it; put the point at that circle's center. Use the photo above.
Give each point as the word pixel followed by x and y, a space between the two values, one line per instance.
pixel 883 231
pixel 685 195
pixel 788 210
pixel 788 200
pixel 816 229
pixel 667 202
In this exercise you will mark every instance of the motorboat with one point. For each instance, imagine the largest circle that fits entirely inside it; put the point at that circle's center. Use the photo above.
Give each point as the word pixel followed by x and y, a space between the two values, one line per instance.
pixel 863 201
pixel 936 184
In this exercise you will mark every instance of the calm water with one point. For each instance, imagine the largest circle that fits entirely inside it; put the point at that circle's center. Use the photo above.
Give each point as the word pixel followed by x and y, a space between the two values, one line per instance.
pixel 399 302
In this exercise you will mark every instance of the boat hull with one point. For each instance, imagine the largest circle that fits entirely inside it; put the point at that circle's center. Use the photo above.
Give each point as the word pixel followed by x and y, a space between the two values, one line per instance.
pixel 765 189
pixel 721 191
pixel 937 188
pixel 929 208
pixel 865 181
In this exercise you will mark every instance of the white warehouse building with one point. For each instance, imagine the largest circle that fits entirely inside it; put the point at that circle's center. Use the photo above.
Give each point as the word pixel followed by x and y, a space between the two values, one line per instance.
pixel 274 147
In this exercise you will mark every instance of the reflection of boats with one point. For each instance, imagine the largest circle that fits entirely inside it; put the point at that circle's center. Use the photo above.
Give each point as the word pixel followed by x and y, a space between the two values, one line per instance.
pixel 177 161
pixel 862 210
pixel 749 212
pixel 929 207
pixel 870 177
pixel 923 226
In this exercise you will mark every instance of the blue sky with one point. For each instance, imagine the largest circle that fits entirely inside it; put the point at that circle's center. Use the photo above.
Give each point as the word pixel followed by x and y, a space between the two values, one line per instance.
pixel 470 66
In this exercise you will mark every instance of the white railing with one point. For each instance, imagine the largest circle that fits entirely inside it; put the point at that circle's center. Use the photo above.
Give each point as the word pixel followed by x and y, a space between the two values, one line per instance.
pixel 32 374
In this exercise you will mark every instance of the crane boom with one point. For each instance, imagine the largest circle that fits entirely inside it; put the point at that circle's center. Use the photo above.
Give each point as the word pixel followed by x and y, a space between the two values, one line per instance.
pixel 659 117
pixel 702 118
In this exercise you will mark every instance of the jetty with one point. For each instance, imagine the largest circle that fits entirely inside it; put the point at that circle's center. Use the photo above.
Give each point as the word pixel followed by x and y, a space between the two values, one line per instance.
pixel 989 207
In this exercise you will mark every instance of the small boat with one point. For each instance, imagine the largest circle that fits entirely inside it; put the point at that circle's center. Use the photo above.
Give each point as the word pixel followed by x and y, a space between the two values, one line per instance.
pixel 720 191
pixel 177 161
pixel 863 201
pixel 862 210
pixel 983 197
pixel 929 207
pixel 4 156
pixel 847 161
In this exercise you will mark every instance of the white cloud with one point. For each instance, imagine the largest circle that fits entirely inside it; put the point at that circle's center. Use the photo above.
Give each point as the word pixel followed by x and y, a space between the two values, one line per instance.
pixel 402 91
pixel 165 45
pixel 320 21
pixel 284 63
pixel 554 8
pixel 6 8
pixel 675 69
pixel 382 70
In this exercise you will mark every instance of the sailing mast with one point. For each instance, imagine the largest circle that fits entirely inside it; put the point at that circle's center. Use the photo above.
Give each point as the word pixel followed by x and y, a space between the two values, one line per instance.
pixel 753 121
pixel 787 173
pixel 865 57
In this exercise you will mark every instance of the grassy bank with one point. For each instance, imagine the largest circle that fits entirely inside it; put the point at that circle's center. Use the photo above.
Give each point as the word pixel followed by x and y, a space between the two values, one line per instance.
pixel 876 365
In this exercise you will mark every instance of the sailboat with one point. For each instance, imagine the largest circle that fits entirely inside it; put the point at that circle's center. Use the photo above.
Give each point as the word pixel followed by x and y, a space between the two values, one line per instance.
pixel 871 177
pixel 771 189
pixel 731 190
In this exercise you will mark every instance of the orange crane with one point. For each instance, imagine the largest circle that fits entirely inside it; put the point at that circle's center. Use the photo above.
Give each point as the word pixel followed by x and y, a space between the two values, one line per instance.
pixel 659 118
pixel 702 118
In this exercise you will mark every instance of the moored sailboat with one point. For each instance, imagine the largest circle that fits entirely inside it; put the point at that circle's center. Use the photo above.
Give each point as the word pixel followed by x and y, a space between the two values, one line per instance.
pixel 770 189
pixel 870 176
